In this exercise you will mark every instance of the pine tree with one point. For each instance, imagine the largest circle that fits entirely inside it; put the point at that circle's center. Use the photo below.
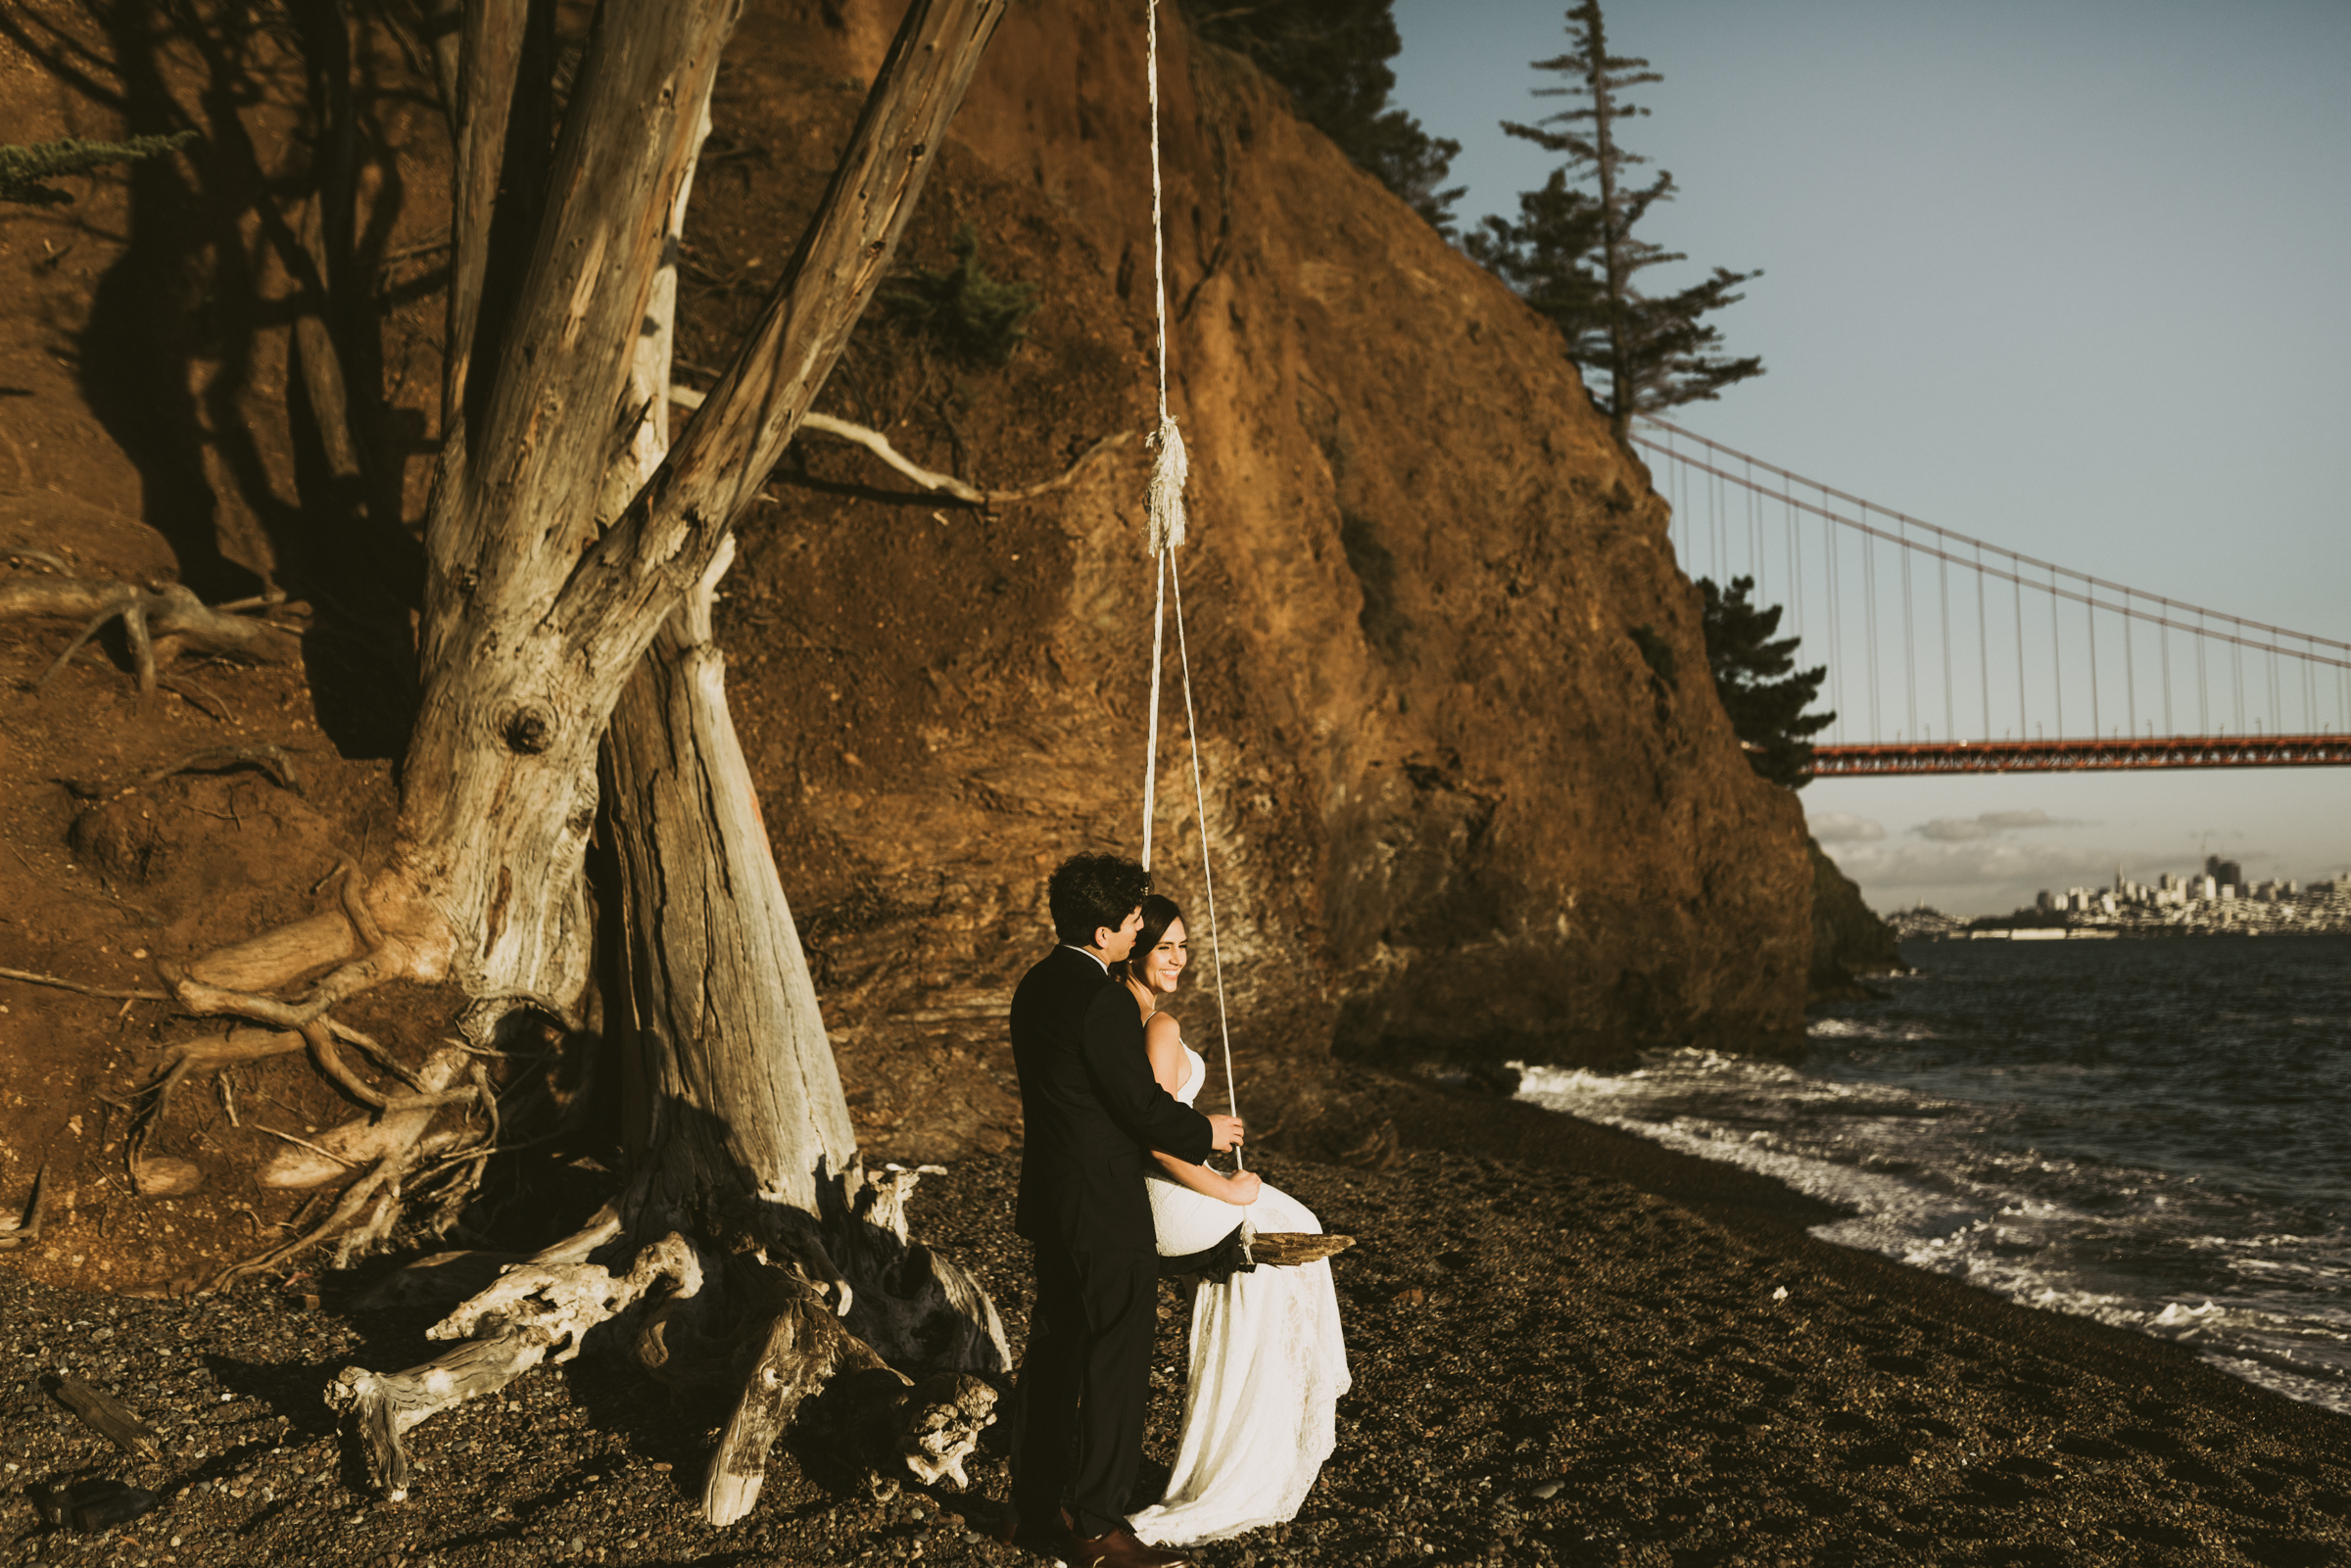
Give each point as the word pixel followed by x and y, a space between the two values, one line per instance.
pixel 1542 257
pixel 24 171
pixel 1332 58
pixel 1579 247
pixel 1761 689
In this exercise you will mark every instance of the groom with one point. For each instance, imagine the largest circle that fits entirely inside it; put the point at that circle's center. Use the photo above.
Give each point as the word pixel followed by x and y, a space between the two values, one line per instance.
pixel 1093 1112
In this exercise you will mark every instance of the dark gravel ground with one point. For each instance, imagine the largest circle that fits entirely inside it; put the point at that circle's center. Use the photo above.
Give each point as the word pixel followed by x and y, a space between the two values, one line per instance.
pixel 1569 1348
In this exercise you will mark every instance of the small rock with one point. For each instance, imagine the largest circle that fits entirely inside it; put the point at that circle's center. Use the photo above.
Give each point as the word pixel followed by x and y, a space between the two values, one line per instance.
pixel 1546 1489
pixel 166 1178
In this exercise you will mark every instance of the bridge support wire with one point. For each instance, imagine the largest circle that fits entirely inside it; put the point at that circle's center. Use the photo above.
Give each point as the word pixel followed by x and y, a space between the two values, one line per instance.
pixel 2284 705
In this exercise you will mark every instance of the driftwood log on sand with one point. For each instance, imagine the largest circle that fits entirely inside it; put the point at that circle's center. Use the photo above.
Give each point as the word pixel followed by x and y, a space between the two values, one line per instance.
pixel 109 1418
pixel 802 1309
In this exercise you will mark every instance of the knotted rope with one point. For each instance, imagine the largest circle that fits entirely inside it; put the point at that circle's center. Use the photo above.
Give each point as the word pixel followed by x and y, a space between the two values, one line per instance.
pixel 1167 474
pixel 1166 531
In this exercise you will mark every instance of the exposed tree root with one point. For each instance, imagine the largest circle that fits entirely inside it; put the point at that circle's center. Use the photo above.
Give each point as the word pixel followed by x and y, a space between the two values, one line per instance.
pixel 892 1425
pixel 907 1295
pixel 354 1199
pixel 377 961
pixel 161 623
pixel 385 1146
pixel 195 696
pixel 105 993
pixel 275 761
pixel 208 1055
pixel 360 1143
pixel 27 1230
pixel 807 1316
pixel 877 443
pixel 534 1311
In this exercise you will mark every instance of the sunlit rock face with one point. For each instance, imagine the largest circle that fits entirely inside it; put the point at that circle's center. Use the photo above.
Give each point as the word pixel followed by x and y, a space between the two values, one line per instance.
pixel 1457 814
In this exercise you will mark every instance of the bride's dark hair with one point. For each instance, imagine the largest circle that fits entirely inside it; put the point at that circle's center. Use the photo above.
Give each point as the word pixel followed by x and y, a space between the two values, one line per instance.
pixel 1159 913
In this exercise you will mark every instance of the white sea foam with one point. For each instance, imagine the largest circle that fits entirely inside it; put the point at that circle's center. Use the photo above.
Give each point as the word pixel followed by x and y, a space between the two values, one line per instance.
pixel 1865 1029
pixel 1925 1180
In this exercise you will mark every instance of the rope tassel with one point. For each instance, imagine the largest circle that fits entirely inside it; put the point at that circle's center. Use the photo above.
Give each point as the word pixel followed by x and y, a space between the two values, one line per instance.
pixel 1167 474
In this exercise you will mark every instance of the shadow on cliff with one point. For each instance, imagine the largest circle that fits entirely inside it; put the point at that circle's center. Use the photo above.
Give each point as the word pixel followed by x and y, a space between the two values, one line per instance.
pixel 1849 940
pixel 188 358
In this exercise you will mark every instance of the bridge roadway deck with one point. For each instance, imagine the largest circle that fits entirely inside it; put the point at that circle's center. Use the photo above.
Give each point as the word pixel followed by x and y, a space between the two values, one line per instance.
pixel 2083 753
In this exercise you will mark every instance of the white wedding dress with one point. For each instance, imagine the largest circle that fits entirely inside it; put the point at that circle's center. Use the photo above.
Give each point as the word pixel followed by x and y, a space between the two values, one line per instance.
pixel 1268 1367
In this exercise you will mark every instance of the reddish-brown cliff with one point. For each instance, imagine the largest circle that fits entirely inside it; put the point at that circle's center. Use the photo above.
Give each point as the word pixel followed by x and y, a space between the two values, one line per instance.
pixel 1457 814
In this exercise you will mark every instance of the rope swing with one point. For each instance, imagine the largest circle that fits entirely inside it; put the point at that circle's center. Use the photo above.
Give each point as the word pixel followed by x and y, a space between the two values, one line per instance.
pixel 1163 507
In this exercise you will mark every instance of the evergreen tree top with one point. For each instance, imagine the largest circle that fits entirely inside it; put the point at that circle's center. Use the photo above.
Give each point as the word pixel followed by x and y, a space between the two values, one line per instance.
pixel 1573 253
pixel 1600 76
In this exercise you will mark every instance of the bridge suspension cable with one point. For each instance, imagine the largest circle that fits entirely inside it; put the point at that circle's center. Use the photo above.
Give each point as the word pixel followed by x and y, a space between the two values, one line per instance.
pixel 2300 682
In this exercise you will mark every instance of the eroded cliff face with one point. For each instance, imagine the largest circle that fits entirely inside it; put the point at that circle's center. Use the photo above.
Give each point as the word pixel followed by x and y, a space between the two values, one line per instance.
pixel 1848 939
pixel 1457 814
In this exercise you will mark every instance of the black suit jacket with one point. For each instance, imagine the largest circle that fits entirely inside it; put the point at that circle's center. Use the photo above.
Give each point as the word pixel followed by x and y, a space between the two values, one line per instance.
pixel 1092 1109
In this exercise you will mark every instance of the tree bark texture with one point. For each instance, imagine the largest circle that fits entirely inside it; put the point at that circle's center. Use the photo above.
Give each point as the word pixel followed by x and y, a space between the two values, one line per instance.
pixel 534 621
pixel 732 1084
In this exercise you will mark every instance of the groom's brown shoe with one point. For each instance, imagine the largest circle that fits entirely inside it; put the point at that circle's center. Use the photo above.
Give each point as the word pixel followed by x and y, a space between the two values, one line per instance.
pixel 1120 1550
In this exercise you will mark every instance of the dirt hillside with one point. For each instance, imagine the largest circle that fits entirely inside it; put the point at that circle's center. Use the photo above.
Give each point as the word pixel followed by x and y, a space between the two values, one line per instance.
pixel 1458 816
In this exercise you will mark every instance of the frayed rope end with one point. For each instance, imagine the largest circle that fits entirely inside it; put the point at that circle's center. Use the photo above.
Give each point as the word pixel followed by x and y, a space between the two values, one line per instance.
pixel 1168 475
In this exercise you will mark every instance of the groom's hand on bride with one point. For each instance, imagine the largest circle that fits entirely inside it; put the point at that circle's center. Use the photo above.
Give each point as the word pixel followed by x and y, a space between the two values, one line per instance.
pixel 1224 1133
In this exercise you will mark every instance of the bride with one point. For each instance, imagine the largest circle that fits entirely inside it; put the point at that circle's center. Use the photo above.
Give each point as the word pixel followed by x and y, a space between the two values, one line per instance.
pixel 1268 1359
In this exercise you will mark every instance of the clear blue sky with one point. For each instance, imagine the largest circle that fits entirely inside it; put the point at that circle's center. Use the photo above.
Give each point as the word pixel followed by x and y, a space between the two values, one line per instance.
pixel 2067 277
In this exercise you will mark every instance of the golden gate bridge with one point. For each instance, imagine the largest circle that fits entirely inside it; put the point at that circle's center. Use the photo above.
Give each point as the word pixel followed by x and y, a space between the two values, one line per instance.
pixel 2130 667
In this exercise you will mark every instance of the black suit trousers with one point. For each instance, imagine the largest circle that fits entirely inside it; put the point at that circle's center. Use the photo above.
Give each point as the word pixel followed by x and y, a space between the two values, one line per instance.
pixel 1086 1374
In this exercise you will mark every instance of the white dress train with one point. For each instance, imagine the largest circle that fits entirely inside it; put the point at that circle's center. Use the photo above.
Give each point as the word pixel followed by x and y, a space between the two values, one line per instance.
pixel 1268 1362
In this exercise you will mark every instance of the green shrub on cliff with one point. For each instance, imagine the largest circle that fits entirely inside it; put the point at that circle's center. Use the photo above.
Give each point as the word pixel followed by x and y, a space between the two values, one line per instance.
pixel 1760 688
pixel 974 316
pixel 24 171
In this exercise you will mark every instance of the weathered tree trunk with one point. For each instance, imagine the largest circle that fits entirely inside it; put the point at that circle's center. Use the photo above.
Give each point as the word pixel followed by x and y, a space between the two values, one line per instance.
pixel 733 1086
pixel 572 556
pixel 534 619
pixel 751 1248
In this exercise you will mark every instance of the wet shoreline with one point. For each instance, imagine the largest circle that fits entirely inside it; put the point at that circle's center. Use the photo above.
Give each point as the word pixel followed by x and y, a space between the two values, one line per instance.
pixel 1569 1346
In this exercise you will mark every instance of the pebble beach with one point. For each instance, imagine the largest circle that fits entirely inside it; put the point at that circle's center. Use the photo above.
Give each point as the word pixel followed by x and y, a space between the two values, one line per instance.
pixel 1569 1346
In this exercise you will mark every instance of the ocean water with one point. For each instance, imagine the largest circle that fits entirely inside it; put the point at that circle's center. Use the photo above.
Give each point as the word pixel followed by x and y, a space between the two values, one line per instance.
pixel 2154 1133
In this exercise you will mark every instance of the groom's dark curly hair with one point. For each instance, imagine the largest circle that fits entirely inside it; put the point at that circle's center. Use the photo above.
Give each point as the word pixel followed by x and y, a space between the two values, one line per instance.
pixel 1090 891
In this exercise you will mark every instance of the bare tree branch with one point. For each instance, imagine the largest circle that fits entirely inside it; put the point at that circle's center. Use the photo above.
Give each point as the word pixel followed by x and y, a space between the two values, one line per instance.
pixel 877 443
pixel 631 578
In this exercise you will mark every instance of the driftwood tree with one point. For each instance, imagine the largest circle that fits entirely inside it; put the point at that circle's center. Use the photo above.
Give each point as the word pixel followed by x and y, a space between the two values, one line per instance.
pixel 567 670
